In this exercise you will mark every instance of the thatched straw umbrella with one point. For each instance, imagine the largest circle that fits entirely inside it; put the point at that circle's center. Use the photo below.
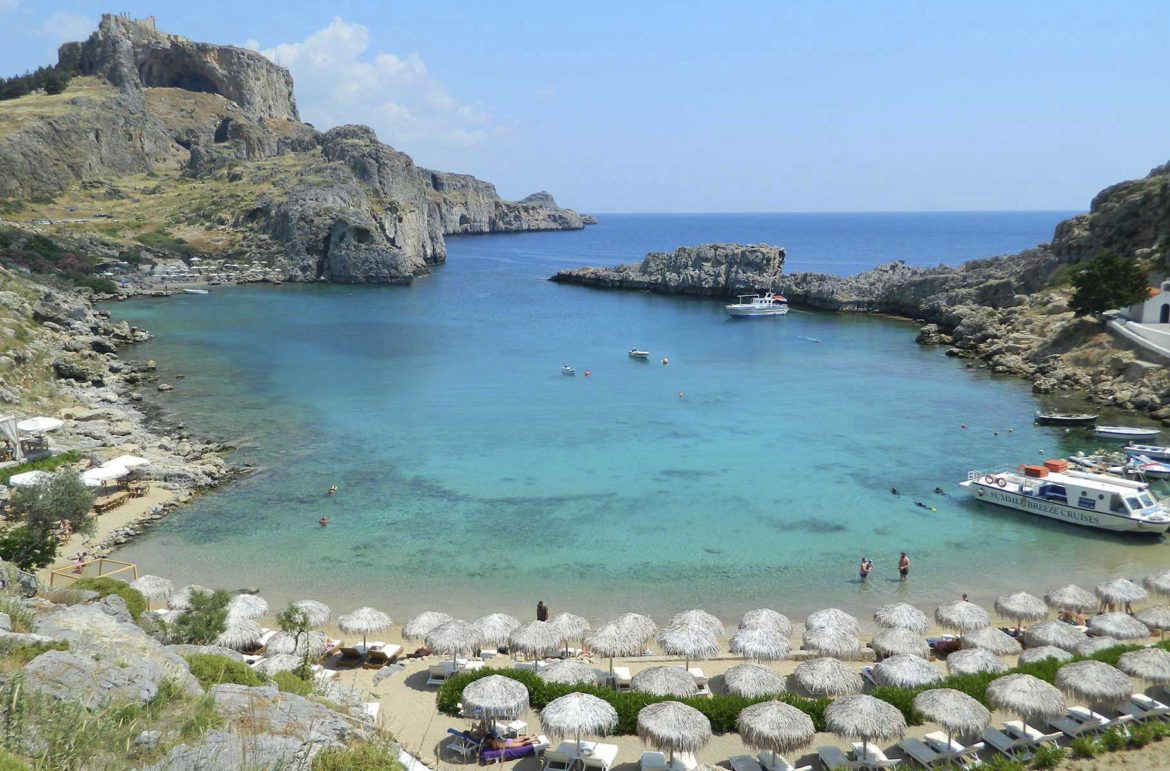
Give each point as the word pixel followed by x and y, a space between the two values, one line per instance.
pixel 827 677
pixel 612 640
pixel 1071 597
pixel 251 606
pixel 496 628
pixel 831 641
pixel 991 639
pixel 891 642
pixel 753 681
pixel 575 714
pixel 671 726
pixel 1091 645
pixel 181 600
pixel 281 662
pixel 900 615
pixel 1120 626
pixel 961 616
pixel 1021 607
pixel 1120 591
pixel 774 726
pixel 570 628
pixel 1158 583
pixel 240 634
pixel 764 617
pixel 1155 617
pixel 697 619
pixel 832 617
pixel 1031 655
pixel 1094 681
pixel 692 641
pixel 454 637
pixel 1056 633
pixel 665 681
pixel 417 627
pixel 865 718
pixel 642 627
pixel 311 644
pixel 153 588
pixel 496 697
pixel 1026 696
pixel 569 672
pixel 906 671
pixel 954 710
pixel 536 639
pixel 318 613
pixel 364 621
pixel 1149 664
pixel 974 660
pixel 760 643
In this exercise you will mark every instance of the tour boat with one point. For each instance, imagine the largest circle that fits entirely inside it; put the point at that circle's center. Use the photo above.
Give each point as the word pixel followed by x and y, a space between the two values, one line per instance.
pixel 1064 419
pixel 1076 497
pixel 567 370
pixel 1151 451
pixel 752 305
pixel 636 354
pixel 1124 432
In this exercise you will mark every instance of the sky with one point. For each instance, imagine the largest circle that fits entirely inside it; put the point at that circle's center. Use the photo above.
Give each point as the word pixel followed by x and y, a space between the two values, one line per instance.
pixel 732 106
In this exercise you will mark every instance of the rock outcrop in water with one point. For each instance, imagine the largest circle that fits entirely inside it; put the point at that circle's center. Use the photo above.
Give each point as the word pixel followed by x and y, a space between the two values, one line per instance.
pixel 710 270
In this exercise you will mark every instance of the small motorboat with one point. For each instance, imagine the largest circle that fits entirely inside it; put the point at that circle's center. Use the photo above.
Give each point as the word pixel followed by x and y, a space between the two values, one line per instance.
pixel 1064 419
pixel 1151 451
pixel 1124 432
pixel 567 370
pixel 195 291
pixel 1150 469
pixel 636 354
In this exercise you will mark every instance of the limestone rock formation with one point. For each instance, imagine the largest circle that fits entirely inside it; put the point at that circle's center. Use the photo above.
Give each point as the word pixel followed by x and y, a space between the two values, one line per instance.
pixel 710 270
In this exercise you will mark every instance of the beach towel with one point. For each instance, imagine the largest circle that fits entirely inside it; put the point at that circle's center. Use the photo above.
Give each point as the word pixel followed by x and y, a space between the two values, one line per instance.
pixel 511 753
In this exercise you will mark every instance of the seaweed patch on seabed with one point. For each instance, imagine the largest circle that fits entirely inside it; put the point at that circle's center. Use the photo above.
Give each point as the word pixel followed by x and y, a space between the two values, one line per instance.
pixel 685 473
pixel 809 525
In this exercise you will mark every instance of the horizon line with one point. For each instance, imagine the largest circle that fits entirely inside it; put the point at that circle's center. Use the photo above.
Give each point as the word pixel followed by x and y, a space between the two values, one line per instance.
pixel 598 212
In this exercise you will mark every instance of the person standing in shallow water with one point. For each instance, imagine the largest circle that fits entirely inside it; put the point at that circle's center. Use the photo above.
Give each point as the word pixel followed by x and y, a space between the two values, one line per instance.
pixel 541 611
pixel 903 567
pixel 864 568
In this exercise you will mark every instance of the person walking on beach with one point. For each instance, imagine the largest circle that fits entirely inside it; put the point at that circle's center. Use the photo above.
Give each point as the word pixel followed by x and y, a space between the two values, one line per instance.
pixel 903 567
pixel 864 568
pixel 541 611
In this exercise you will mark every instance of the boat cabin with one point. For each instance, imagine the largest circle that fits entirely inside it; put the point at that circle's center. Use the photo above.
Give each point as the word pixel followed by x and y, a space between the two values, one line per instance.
pixel 1091 492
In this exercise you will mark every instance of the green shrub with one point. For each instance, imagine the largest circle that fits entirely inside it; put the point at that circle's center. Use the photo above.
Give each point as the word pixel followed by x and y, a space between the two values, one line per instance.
pixel 9 762
pixel 21 616
pixel 1111 655
pixel 289 682
pixel 1085 747
pixel 14 656
pixel 163 241
pixel 360 757
pixel 998 762
pixel 211 670
pixel 135 602
pixel 1112 740
pixel 1048 756
pixel 1140 736
pixel 204 621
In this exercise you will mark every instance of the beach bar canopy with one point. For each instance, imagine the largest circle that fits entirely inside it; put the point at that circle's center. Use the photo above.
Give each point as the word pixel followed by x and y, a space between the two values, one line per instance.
pixel 866 718
pixel 672 726
pixel 96 477
pixel 753 681
pixel 8 431
pixel 776 727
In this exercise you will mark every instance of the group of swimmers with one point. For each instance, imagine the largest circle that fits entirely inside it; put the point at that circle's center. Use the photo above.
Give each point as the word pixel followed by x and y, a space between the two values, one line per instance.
pixel 921 504
pixel 324 521
pixel 866 567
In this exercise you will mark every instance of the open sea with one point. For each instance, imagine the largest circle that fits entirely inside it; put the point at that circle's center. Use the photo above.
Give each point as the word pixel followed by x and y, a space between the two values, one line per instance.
pixel 754 470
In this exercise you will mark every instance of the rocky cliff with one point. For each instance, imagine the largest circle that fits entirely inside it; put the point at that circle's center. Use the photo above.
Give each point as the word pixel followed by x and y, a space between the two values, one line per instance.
pixel 222 124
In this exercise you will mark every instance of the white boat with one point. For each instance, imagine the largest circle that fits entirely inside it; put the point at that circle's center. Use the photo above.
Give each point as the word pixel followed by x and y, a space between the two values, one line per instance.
pixel 1149 468
pixel 636 354
pixel 752 305
pixel 1076 497
pixel 1151 451
pixel 1124 432
pixel 195 291
pixel 567 370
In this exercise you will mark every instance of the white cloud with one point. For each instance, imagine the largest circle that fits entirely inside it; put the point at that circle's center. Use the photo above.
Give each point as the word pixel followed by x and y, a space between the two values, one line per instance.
pixel 338 81
pixel 65 26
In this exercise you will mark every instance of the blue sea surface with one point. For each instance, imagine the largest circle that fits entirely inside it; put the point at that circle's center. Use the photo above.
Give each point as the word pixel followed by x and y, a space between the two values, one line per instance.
pixel 755 469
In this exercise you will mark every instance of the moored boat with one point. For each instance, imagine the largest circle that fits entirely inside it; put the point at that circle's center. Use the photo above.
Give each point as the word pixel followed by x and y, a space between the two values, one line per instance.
pixel 1151 451
pixel 752 305
pixel 195 291
pixel 1124 432
pixel 636 354
pixel 1064 419
pixel 567 370
pixel 1076 497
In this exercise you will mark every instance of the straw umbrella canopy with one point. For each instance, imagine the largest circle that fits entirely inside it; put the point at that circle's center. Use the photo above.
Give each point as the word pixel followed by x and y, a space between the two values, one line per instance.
pixel 900 615
pixel 536 639
pixel 1158 583
pixel 765 617
pixel 697 619
pixel 865 718
pixel 831 641
pixel 569 672
pixel 665 681
pixel 281 662
pixel 569 627
pixel 251 606
pixel 364 621
pixel 417 627
pixel 1149 664
pixel 954 710
pixel 496 628
pixel 961 616
pixel 1027 696
pixel 1119 626
pixel 832 617
pixel 1071 597
pixel 153 588
pixel 672 726
pixel 496 696
pixel 974 660
pixel 692 641
pixel 317 613
pixel 891 642
pixel 612 640
pixel 906 671
pixel 1091 645
pixel 1021 607
pixel 1120 590
pixel 1031 655
pixel 575 714
pixel 181 600
pixel 774 726
pixel 760 643
pixel 1156 617
pixel 642 627
pixel 240 634
pixel 454 637
pixel 1094 681
pixel 1055 633
pixel 753 681
pixel 311 644
pixel 991 639
pixel 827 676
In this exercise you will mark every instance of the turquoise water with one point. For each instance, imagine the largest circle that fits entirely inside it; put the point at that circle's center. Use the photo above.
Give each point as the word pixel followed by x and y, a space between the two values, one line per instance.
pixel 474 476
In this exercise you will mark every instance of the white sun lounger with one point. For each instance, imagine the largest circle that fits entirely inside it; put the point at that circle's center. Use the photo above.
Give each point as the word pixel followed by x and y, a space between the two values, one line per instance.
pixel 437 674
pixel 871 756
pixel 1016 749
pixel 1028 734
pixel 772 762
pixel 621 678
pixel 653 761
pixel 966 756
pixel 744 763
pixel 683 761
pixel 833 758
pixel 555 761
pixel 1141 708
pixel 921 753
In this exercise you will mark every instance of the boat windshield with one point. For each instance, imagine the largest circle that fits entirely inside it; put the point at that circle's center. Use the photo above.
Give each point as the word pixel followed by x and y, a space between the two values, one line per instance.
pixel 1147 500
pixel 1133 503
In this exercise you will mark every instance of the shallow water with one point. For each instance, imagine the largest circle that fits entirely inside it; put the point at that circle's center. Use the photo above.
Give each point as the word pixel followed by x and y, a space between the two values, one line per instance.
pixel 474 476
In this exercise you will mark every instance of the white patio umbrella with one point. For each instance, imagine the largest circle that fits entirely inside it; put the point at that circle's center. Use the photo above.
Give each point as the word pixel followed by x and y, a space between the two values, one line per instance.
pixel 1158 583
pixel 1043 652
pixel 827 677
pixel 1119 626
pixel 570 628
pixel 29 478
pixel 127 461
pixel 569 672
pixel 95 477
pixel 832 618
pixel 906 671
pixel 250 606
pixel 891 642
pixel 991 639
pixel 764 617
pixel 536 639
pixel 961 616
pixel 753 681
pixel 454 637
pixel 612 640
pixel 496 628
pixel 496 697
pixel 1055 633
pixel 954 710
pixel 364 621
pixel 240 634
pixel 577 714
pixel 693 641
pixel 1021 607
pixel 1071 597
pixel 1120 591
pixel 866 718
pixel 975 660
pixel 671 726
pixel 1094 681
pixel 776 727
pixel 1149 664
pixel 1027 696
pixel 317 613
pixel 39 425
pixel 900 615
pixel 764 643
pixel 417 627
pixel 665 681
pixel 153 588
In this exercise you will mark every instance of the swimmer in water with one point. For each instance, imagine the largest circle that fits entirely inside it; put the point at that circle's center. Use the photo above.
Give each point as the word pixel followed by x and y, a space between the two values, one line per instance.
pixel 939 491
pixel 894 491
pixel 922 505
pixel 681 395
pixel 323 521
pixel 332 489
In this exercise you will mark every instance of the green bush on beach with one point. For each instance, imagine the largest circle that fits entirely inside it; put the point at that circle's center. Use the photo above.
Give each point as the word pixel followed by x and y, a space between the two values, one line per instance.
pixel 41 464
pixel 135 602
pixel 212 670
pixel 290 683
pixel 360 757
